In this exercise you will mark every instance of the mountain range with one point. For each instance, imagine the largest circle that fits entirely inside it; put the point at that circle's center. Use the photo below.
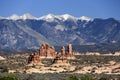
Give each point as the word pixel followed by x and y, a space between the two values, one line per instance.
pixel 27 31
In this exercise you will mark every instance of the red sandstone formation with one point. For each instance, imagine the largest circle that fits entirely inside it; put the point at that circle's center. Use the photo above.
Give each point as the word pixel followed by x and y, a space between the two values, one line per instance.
pixel 63 54
pixel 46 51
pixel 34 59
pixel 70 54
pixel 70 48
pixel 61 59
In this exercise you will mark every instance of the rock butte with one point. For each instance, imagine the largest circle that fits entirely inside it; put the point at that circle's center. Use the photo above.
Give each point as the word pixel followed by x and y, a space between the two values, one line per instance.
pixel 45 51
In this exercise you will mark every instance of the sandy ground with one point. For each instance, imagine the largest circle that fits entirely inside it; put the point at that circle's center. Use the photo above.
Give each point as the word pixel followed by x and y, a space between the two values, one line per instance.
pixel 51 69
pixel 2 58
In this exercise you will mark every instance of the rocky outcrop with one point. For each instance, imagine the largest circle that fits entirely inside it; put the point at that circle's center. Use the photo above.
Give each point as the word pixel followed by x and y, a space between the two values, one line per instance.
pixel 46 51
pixel 34 59
pixel 61 58
pixel 70 54
pixel 61 61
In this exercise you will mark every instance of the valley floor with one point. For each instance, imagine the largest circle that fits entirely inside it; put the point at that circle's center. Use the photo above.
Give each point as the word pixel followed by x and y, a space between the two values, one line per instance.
pixel 93 65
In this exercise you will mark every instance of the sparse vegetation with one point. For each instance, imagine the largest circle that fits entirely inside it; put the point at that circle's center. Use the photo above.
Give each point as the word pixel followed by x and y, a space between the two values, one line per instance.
pixel 57 76
pixel 19 61
pixel 9 77
pixel 87 77
pixel 73 78
pixel 3 68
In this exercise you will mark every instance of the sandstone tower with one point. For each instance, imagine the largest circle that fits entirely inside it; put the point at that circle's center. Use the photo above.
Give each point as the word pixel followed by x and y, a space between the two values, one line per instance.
pixel 46 51
pixel 70 48
pixel 63 54
pixel 70 54
pixel 61 59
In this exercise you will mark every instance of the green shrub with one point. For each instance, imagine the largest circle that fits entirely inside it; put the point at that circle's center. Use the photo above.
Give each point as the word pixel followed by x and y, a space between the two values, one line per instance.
pixel 103 79
pixel 86 77
pixel 3 69
pixel 73 78
pixel 9 77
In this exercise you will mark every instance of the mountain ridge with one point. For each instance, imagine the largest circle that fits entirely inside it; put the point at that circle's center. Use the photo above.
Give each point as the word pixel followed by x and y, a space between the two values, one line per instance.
pixel 29 16
pixel 30 33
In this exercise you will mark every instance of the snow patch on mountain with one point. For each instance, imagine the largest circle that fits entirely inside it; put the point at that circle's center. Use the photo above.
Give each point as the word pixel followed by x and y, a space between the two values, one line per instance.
pixel 2 17
pixel 27 16
pixel 14 17
pixel 14 41
pixel 24 17
pixel 60 27
pixel 73 37
pixel 67 16
pixel 84 18
pixel 49 17
pixel 52 17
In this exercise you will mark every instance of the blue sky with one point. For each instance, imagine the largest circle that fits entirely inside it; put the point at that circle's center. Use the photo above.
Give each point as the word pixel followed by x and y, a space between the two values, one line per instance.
pixel 77 8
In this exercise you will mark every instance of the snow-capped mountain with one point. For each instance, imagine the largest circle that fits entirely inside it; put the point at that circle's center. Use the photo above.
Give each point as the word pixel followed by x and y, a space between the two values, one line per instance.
pixel 13 17
pixel 27 16
pixel 27 31
pixel 24 17
pixel 1 17
pixel 67 16
pixel 49 17
pixel 52 17
pixel 85 18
